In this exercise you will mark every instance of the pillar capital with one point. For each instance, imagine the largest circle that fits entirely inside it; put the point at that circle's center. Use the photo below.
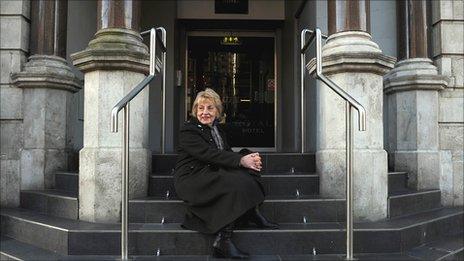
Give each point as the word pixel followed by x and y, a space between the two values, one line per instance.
pixel 352 51
pixel 114 49
pixel 47 71
pixel 414 74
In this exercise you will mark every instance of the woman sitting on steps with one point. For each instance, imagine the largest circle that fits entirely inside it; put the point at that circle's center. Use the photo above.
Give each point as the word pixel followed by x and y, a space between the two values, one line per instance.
pixel 218 185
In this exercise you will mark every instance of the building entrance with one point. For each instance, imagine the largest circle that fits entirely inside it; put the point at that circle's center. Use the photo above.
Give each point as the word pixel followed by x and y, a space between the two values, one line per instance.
pixel 241 68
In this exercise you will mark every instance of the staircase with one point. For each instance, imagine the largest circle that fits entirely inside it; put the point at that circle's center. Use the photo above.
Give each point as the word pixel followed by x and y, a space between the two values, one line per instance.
pixel 46 226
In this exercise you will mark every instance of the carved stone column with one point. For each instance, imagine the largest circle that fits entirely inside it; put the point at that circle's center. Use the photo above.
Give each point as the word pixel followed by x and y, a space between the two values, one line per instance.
pixel 412 100
pixel 354 62
pixel 115 61
pixel 48 84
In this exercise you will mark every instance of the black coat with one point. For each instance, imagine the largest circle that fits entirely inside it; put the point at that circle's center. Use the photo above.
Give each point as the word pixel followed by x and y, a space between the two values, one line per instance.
pixel 214 187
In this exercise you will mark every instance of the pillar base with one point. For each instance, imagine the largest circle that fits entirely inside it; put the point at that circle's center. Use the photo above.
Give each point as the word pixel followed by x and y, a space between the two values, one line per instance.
pixel 423 168
pixel 100 182
pixel 370 191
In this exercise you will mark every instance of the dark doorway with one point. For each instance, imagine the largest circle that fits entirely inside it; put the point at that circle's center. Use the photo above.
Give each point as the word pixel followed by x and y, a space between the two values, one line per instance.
pixel 241 69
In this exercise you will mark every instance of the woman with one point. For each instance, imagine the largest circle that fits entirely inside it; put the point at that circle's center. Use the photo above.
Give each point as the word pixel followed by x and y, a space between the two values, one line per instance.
pixel 218 186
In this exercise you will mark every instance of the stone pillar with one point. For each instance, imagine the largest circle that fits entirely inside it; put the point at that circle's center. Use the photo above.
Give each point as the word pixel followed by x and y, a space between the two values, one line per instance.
pixel 354 62
pixel 115 61
pixel 411 90
pixel 48 83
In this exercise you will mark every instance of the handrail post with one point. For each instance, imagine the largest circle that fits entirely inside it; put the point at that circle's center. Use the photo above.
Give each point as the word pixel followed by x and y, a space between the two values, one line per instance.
pixel 349 183
pixel 125 184
pixel 302 75
pixel 163 129
pixel 124 105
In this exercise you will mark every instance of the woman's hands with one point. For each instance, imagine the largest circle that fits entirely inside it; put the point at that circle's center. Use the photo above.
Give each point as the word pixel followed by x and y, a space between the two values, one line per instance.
pixel 251 161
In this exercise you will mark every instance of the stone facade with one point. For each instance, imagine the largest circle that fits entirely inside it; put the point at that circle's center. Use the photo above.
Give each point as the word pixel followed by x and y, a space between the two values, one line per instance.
pixel 14 46
pixel 448 55
pixel 111 70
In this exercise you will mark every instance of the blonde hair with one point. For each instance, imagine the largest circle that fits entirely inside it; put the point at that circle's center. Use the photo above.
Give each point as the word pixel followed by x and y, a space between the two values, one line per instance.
pixel 210 95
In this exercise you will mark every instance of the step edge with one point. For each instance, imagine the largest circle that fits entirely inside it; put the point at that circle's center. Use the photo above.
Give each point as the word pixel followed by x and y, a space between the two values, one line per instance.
pixel 262 176
pixel 35 222
pixel 451 253
pixel 393 173
pixel 67 173
pixel 253 230
pixel 415 193
pixel 10 256
pixel 266 200
pixel 49 194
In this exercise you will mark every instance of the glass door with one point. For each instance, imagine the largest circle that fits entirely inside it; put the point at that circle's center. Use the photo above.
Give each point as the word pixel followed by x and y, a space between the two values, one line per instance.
pixel 240 67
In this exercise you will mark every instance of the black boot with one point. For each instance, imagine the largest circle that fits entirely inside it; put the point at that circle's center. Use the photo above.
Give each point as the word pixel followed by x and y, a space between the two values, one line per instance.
pixel 223 247
pixel 256 217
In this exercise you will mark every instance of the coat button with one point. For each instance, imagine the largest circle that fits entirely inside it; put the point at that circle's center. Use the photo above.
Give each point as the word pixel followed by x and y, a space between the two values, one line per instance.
pixel 192 167
pixel 210 139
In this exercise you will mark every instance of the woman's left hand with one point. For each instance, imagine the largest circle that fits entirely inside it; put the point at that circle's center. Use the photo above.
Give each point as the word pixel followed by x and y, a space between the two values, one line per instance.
pixel 251 161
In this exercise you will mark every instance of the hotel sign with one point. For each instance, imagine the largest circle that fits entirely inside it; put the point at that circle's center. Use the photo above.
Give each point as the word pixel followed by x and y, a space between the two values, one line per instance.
pixel 231 6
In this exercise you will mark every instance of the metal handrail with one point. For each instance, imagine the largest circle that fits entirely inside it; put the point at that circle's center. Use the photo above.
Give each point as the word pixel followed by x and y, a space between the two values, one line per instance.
pixel 124 104
pixel 350 102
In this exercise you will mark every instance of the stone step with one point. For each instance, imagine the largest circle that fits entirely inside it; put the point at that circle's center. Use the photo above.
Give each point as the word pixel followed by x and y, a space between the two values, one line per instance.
pixel 74 237
pixel 11 249
pixel 274 185
pixel 448 247
pixel 164 163
pixel 51 202
pixel 397 182
pixel 67 181
pixel 411 202
pixel 301 210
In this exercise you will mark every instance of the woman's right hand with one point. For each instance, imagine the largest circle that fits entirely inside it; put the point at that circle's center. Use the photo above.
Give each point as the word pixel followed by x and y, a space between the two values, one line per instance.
pixel 251 161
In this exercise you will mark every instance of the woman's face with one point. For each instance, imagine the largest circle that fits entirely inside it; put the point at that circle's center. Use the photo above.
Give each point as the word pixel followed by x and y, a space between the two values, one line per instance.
pixel 206 112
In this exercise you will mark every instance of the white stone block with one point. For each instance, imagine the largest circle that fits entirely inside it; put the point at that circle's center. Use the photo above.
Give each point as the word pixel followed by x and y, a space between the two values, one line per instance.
pixel 451 109
pixel 34 117
pixel 18 7
pixel 38 167
pixel 446 178
pixel 9 183
pixel 369 179
pixel 457 71
pixel 32 169
pixel 11 99
pixel 45 118
pixel 14 33
pixel 11 139
pixel 11 62
pixel 102 90
pixel 448 38
pixel 423 168
pixel 458 173
pixel 451 136
pixel 55 118
pixel 100 182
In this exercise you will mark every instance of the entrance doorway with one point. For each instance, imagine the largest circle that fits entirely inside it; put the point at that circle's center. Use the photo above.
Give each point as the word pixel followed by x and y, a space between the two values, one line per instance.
pixel 241 68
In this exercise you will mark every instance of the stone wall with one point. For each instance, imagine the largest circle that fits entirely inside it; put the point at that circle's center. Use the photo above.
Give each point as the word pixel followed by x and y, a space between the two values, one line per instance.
pixel 14 46
pixel 448 55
